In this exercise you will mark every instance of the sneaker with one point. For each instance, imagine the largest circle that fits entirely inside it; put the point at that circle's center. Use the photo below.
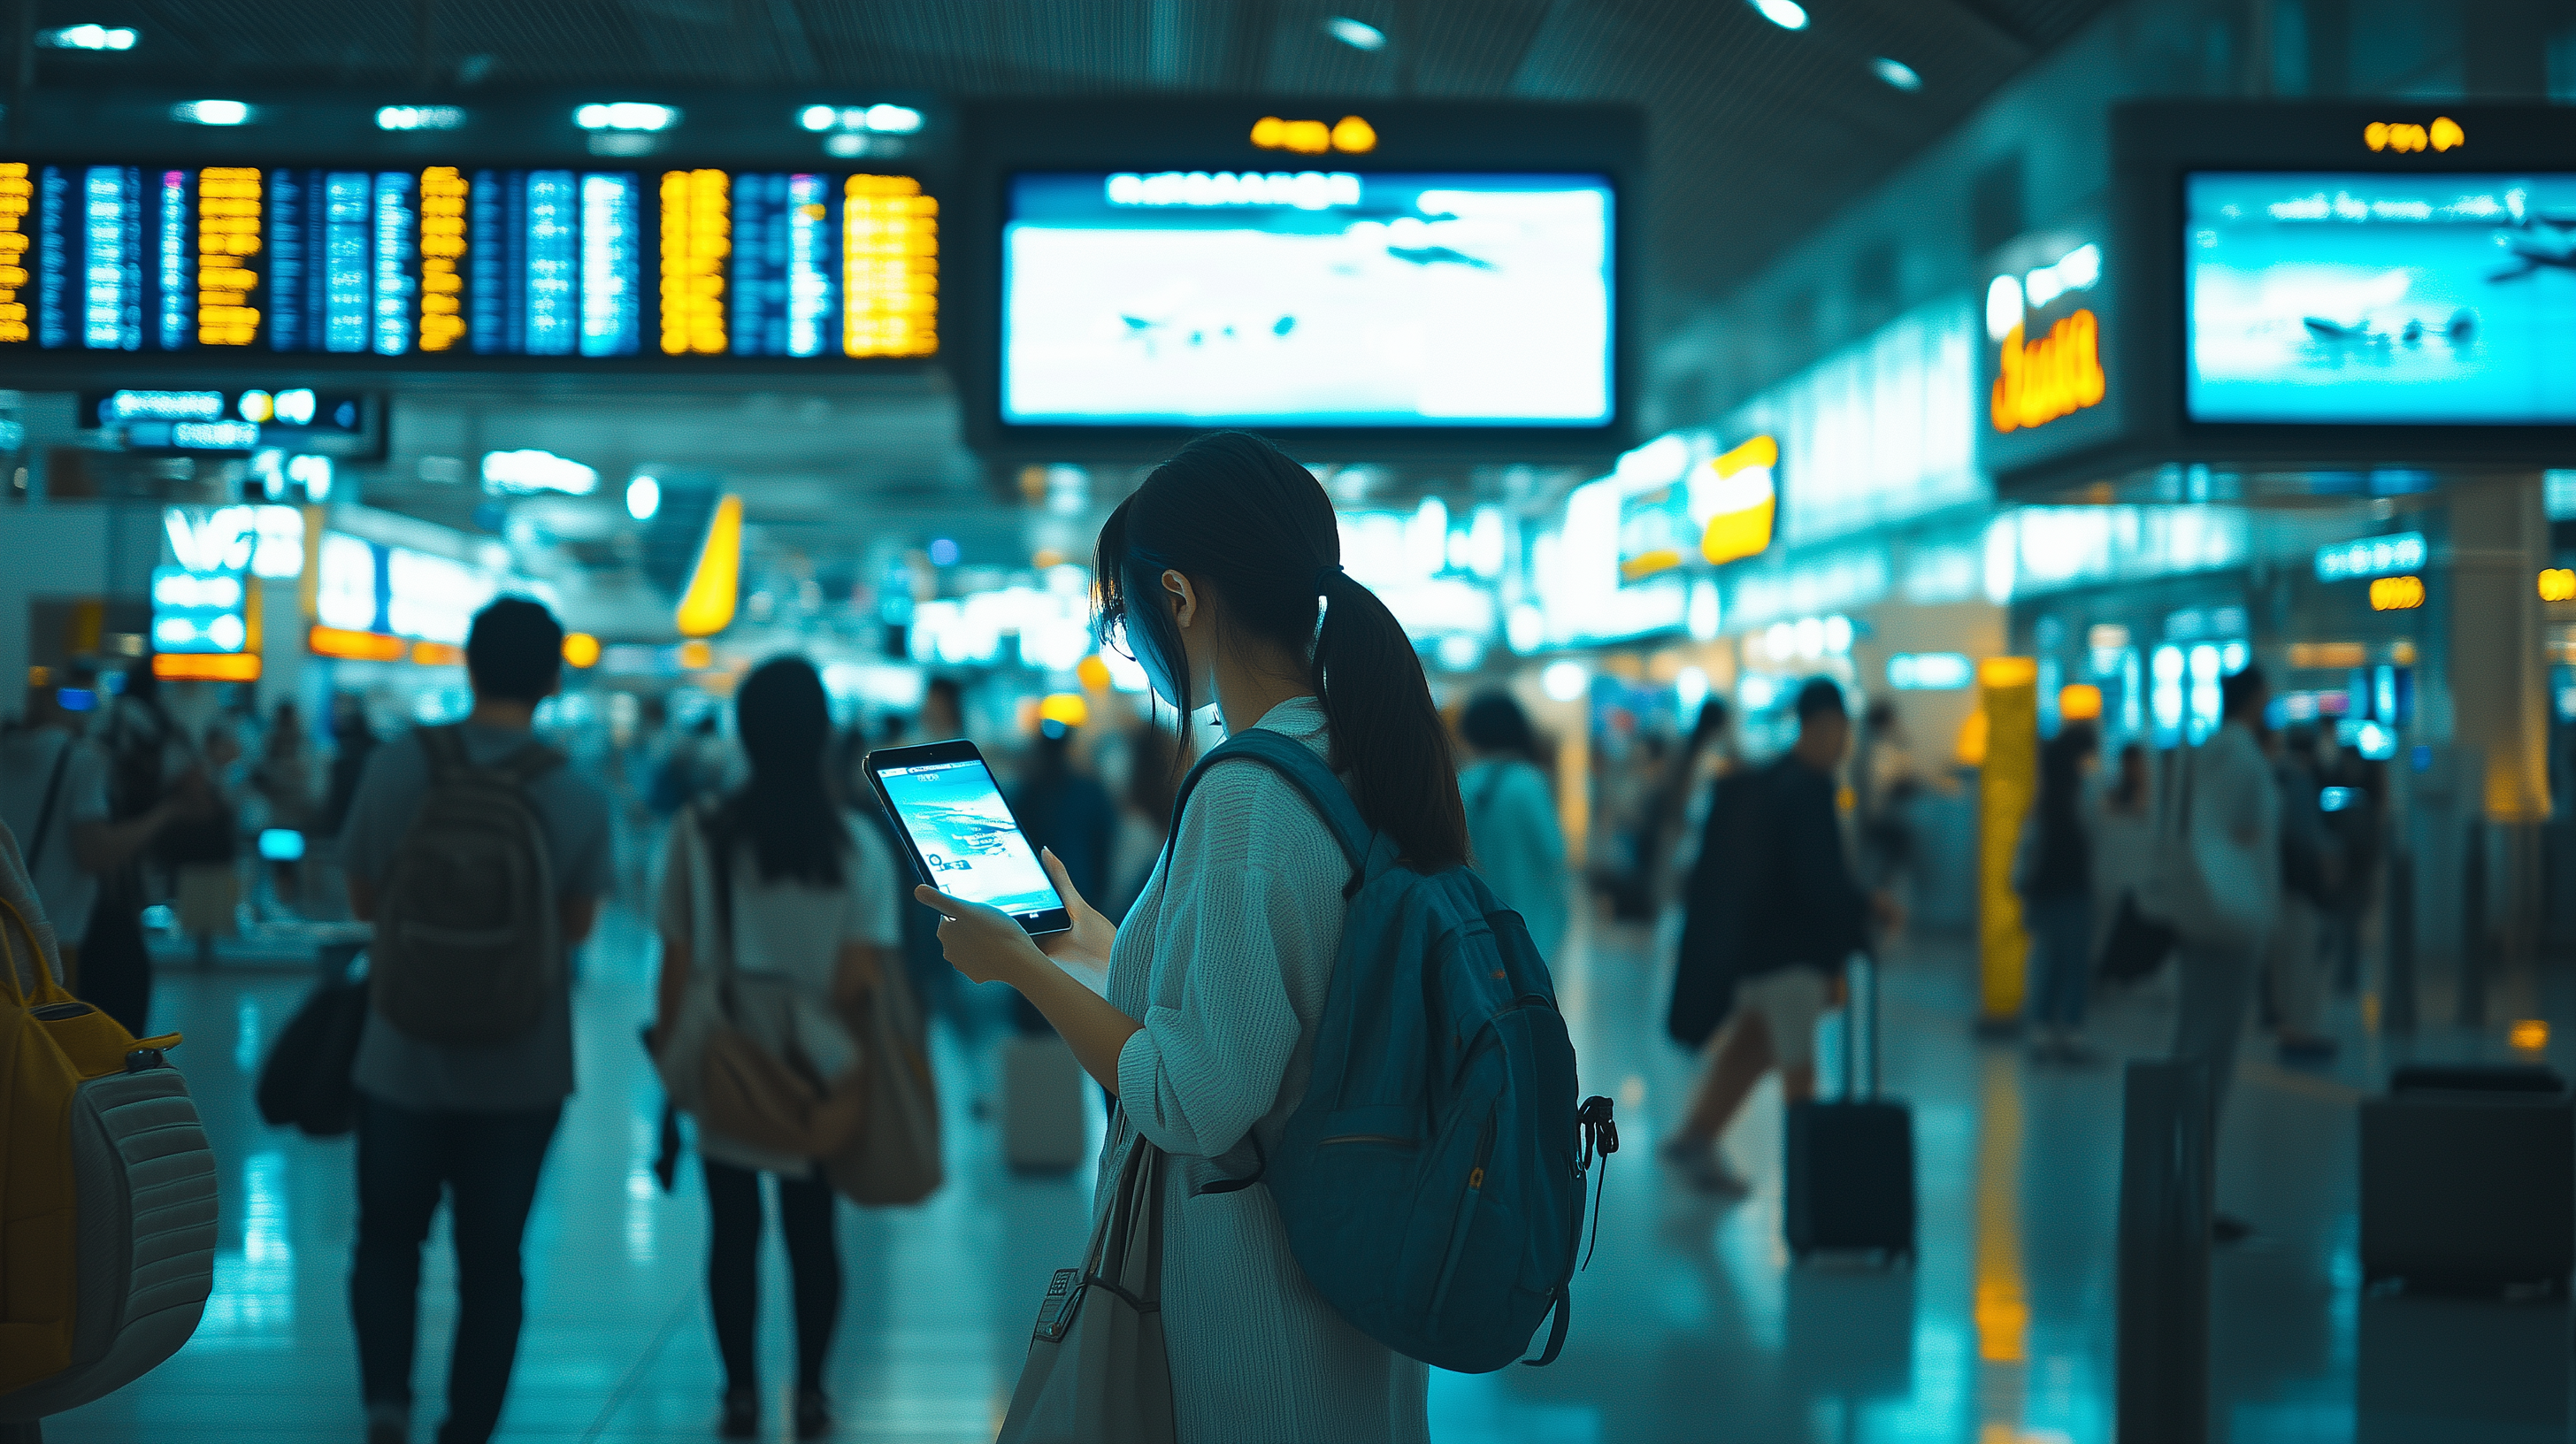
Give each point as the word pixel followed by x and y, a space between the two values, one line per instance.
pixel 1700 1166
pixel 813 1414
pixel 741 1415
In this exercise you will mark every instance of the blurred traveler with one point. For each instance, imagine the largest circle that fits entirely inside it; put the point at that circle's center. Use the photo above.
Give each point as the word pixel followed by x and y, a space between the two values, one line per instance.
pixel 1217 981
pixel 284 777
pixel 804 893
pixel 54 796
pixel 1778 915
pixel 1145 813
pixel 2124 838
pixel 2237 807
pixel 353 741
pixel 2359 829
pixel 1511 817
pixel 1885 786
pixel 204 851
pixel 1066 811
pixel 2311 877
pixel 152 768
pixel 1707 755
pixel 943 710
pixel 690 768
pixel 473 1121
pixel 2054 871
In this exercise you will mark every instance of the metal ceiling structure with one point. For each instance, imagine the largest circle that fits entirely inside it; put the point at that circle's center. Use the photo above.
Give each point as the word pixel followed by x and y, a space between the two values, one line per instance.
pixel 1756 133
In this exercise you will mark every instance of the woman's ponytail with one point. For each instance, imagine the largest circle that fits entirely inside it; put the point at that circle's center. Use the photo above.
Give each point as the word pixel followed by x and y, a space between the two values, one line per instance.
pixel 1234 513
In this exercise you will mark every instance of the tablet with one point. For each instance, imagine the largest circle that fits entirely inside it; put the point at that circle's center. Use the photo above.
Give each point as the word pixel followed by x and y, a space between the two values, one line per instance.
pixel 960 833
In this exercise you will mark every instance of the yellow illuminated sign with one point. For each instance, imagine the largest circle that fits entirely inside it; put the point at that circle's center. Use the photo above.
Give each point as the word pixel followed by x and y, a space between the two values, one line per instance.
pixel 2079 702
pixel 706 608
pixel 889 267
pixel 228 206
pixel 1351 135
pixel 2443 134
pixel 442 250
pixel 2037 382
pixel 697 236
pixel 2007 783
pixel 2558 584
pixel 16 191
pixel 1746 501
pixel 2400 594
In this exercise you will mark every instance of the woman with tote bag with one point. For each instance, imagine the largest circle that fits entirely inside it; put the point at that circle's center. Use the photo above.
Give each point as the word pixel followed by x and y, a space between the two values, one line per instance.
pixel 776 914
pixel 1223 571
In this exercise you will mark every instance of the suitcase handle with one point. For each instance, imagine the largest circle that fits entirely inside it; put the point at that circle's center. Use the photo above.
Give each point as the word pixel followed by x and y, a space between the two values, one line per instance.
pixel 1853 1031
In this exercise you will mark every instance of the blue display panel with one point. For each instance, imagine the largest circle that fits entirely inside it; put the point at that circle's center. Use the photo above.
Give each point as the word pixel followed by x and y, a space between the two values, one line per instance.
pixel 2380 299
pixel 975 851
pixel 1308 298
pixel 372 263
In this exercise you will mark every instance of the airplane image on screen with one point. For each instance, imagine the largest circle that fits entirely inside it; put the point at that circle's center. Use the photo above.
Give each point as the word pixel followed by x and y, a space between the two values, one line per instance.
pixel 2460 329
pixel 2545 238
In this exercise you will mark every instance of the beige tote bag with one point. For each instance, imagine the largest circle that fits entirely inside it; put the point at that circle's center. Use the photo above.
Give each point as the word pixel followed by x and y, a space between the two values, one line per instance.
pixel 895 1156
pixel 1097 1372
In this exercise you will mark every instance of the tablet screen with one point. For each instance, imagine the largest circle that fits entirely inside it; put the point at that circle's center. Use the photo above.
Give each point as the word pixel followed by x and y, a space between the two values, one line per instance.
pixel 956 817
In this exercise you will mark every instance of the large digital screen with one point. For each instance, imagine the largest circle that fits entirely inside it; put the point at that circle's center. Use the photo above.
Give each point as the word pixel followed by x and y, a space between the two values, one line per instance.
pixel 2320 297
pixel 1308 298
pixel 964 829
pixel 458 261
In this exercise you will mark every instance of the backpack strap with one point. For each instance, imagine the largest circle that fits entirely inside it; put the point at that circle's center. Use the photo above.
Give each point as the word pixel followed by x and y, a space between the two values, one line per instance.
pixel 529 763
pixel 1323 791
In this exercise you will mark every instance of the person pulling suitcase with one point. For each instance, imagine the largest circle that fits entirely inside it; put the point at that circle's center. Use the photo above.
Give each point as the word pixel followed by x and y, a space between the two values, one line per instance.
pixel 1774 911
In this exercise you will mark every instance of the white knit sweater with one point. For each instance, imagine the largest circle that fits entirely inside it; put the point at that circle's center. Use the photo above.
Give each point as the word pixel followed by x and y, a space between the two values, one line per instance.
pixel 1226 960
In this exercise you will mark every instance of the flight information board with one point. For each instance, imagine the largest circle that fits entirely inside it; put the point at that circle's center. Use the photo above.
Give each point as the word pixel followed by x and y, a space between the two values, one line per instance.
pixel 462 262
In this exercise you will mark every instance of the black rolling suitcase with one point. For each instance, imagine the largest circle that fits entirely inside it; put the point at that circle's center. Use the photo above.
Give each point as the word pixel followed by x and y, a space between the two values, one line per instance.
pixel 1851 1160
pixel 2468 1180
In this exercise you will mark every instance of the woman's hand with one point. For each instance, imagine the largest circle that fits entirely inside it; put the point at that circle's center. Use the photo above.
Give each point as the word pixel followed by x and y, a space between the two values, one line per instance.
pixel 983 942
pixel 1085 946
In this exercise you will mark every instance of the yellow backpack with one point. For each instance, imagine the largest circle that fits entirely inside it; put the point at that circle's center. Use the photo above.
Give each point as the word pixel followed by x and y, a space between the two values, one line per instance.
pixel 107 1195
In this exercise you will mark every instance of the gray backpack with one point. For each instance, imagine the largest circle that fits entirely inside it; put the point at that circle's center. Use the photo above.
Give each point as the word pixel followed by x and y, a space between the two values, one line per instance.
pixel 469 946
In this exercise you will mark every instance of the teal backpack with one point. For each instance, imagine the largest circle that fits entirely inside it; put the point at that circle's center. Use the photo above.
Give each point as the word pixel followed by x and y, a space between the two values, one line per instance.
pixel 1431 1181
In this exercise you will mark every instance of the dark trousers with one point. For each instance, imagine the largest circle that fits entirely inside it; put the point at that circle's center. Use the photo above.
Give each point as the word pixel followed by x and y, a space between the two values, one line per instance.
pixel 116 966
pixel 488 1164
pixel 733 1269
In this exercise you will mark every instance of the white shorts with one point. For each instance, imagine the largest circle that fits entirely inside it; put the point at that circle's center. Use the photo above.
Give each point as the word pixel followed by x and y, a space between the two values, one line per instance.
pixel 1789 1001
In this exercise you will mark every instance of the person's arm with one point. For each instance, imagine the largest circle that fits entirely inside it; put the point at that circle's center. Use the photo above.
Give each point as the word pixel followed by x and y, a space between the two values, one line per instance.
pixel 987 946
pixel 102 846
pixel 1819 877
pixel 857 969
pixel 577 916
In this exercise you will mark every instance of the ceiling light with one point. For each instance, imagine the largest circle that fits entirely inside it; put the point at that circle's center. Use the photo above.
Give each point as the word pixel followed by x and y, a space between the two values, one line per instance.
pixel 520 472
pixel 1356 34
pixel 211 112
pixel 626 115
pixel 881 118
pixel 1897 73
pixel 1787 14
pixel 419 117
pixel 88 37
pixel 818 117
pixel 643 498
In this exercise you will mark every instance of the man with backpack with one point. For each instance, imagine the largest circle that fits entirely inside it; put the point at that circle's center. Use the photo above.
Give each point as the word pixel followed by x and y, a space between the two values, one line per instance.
pixel 1773 913
pixel 481 858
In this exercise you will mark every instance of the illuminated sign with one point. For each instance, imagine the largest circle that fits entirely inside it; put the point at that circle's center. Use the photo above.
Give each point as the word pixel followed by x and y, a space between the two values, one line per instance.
pixel 1929 671
pixel 2443 134
pixel 196 611
pixel 463 262
pixel 2401 594
pixel 2037 382
pixel 2376 556
pixel 1310 190
pixel 1741 502
pixel 2558 584
pixel 365 587
pixel 1351 135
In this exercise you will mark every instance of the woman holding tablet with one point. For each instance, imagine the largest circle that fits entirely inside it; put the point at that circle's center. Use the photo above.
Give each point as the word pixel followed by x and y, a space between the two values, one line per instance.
pixel 1220 569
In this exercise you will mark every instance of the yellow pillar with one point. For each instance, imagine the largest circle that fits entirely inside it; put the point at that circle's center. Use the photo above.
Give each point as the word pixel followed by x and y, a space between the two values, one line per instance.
pixel 2006 786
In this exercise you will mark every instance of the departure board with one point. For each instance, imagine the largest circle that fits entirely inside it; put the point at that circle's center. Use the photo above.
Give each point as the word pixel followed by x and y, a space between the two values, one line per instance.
pixel 459 262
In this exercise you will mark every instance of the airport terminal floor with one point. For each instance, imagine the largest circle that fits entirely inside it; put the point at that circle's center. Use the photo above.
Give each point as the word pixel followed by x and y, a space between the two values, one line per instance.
pixel 1690 1324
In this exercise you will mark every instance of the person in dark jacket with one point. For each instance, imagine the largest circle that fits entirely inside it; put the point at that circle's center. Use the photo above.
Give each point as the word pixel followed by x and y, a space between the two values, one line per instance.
pixel 1066 811
pixel 2054 874
pixel 1783 915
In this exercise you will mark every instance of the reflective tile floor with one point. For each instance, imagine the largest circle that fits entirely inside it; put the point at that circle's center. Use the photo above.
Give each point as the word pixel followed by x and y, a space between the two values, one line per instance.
pixel 1690 1325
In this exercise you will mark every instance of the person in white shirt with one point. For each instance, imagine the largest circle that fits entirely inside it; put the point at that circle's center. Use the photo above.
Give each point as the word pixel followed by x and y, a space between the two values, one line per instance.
pixel 805 892
pixel 2236 806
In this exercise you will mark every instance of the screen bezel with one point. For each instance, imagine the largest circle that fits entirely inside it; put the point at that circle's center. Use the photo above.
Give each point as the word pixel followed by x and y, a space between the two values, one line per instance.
pixel 1002 139
pixel 228 365
pixel 1038 924
pixel 1284 423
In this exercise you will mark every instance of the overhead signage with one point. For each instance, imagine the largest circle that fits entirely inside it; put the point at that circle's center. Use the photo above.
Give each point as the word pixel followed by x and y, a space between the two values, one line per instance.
pixel 2396 594
pixel 368 587
pixel 290 418
pixel 1350 135
pixel 2041 375
pixel 2375 556
pixel 2403 136
pixel 1717 511
pixel 466 262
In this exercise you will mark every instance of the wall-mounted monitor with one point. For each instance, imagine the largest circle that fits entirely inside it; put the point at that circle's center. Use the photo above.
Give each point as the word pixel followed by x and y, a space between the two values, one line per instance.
pixel 1313 298
pixel 1364 279
pixel 2341 297
pixel 463 266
